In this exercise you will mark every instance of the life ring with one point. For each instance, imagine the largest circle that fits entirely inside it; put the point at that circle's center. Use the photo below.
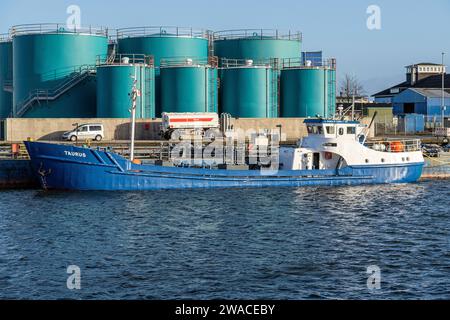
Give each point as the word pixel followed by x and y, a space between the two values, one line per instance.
pixel 397 146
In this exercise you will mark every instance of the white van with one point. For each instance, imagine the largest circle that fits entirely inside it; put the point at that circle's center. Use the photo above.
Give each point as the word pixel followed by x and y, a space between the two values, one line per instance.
pixel 83 132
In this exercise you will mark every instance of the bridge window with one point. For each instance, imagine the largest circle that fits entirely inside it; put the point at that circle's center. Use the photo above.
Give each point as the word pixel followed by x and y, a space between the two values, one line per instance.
pixel 351 130
pixel 331 130
pixel 341 131
pixel 315 130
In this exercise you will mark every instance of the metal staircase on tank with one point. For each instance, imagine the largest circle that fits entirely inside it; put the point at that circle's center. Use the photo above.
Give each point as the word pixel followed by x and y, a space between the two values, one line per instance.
pixel 53 94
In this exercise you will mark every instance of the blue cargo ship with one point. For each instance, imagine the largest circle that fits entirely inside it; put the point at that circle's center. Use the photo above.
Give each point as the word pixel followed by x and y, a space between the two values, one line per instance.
pixel 334 153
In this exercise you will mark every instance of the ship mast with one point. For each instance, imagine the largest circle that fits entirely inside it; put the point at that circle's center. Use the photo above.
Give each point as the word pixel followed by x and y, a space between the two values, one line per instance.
pixel 135 93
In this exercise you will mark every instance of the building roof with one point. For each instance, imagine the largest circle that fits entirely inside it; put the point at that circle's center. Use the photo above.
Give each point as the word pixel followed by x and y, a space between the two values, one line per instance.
pixel 431 82
pixel 432 93
pixel 377 105
pixel 424 63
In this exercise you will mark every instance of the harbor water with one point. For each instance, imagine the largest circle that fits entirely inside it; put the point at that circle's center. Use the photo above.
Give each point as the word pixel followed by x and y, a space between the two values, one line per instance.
pixel 283 243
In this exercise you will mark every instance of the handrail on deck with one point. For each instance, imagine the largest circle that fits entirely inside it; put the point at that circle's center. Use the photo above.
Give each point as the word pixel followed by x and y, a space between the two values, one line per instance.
pixel 396 145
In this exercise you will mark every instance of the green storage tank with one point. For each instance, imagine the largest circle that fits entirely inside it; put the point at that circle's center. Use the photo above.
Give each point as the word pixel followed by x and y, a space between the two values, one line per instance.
pixel 249 90
pixel 189 86
pixel 114 85
pixel 6 76
pixel 308 92
pixel 257 44
pixel 54 70
pixel 164 43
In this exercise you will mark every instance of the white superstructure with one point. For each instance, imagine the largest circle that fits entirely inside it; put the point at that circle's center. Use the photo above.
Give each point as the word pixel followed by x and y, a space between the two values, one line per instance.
pixel 335 144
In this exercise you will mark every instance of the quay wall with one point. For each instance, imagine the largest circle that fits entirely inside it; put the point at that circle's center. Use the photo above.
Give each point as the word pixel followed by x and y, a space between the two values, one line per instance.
pixel 18 130
pixel 16 174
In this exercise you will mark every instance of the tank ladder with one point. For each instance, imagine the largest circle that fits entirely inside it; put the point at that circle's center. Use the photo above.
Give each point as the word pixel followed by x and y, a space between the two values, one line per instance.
pixel 53 94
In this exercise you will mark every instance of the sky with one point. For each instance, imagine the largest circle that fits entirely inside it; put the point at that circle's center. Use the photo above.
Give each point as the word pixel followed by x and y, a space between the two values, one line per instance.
pixel 411 31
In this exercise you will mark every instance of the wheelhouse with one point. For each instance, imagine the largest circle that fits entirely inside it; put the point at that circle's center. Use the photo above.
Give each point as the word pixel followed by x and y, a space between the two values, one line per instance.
pixel 333 129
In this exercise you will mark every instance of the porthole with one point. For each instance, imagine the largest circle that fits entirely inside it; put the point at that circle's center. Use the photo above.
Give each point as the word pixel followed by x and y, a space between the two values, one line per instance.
pixel 383 160
pixel 367 160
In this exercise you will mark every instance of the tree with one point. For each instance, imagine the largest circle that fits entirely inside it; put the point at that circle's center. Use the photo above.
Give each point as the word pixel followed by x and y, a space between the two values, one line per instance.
pixel 350 86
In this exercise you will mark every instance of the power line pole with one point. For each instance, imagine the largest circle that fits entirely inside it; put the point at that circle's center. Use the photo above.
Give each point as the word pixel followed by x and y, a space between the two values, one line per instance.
pixel 443 92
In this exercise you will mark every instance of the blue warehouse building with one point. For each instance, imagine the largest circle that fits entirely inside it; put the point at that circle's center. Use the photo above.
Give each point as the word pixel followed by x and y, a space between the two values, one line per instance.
pixel 421 101
pixel 421 93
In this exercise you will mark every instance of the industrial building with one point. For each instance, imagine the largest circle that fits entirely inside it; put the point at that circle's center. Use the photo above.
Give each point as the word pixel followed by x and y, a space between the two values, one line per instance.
pixel 421 75
pixel 426 102
pixel 49 71
pixel 417 102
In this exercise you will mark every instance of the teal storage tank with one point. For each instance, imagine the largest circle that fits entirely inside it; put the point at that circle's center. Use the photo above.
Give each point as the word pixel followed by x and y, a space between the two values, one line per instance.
pixel 249 91
pixel 6 74
pixel 308 92
pixel 54 70
pixel 164 43
pixel 189 86
pixel 114 85
pixel 257 44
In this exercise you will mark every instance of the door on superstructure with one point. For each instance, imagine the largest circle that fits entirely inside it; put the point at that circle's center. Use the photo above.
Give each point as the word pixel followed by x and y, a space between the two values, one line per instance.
pixel 316 161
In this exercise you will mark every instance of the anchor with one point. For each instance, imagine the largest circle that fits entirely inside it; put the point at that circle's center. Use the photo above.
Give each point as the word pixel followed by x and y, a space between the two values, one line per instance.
pixel 42 175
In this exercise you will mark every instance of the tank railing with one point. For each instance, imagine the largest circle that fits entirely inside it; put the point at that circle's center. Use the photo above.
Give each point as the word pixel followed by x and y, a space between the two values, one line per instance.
pixel 58 28
pixel 125 59
pixel 54 93
pixel 5 37
pixel 64 73
pixel 236 63
pixel 395 145
pixel 164 31
pixel 293 63
pixel 260 34
pixel 189 61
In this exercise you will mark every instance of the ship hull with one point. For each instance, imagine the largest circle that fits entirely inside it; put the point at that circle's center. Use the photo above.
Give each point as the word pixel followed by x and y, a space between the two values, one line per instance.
pixel 72 168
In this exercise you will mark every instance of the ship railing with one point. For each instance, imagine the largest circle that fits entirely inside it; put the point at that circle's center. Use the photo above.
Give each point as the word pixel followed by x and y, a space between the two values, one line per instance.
pixel 258 34
pixel 13 151
pixel 56 28
pixel 395 145
pixel 125 59
pixel 163 31
pixel 52 94
pixel 299 63
pixel 189 61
